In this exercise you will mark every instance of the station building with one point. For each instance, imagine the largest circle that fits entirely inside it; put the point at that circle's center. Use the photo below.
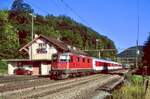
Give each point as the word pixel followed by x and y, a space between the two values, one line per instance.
pixel 40 51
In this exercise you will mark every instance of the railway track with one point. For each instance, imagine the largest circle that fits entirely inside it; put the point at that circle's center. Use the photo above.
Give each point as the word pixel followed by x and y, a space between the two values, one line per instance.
pixel 82 91
pixel 122 71
pixel 11 86
pixel 79 91
pixel 15 78
pixel 22 84
pixel 53 88
pixel 64 86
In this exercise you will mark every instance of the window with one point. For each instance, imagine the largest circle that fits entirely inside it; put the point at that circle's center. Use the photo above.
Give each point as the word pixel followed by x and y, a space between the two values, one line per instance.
pixel 42 45
pixel 42 48
pixel 83 60
pixel 30 66
pixel 64 58
pixel 88 60
pixel 71 59
pixel 41 51
pixel 78 59
pixel 97 63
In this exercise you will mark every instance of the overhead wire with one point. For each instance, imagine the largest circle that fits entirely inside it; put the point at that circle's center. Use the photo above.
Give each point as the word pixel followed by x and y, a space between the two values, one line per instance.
pixel 73 11
pixel 65 4
pixel 138 29
pixel 58 7
pixel 138 25
pixel 37 7
pixel 53 1
pixel 138 21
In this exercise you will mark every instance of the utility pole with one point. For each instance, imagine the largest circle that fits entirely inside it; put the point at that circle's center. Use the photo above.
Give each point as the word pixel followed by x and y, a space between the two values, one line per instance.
pixel 32 27
pixel 99 53
pixel 32 32
pixel 138 27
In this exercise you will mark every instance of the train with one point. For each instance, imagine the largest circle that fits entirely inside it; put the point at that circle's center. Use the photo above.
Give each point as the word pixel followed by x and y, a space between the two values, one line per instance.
pixel 67 65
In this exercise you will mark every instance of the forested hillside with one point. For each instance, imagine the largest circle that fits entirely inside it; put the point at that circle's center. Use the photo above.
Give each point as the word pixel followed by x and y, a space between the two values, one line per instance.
pixel 15 31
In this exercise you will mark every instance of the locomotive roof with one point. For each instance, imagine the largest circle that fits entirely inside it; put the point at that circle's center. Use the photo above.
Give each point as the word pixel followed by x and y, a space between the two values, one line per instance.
pixel 69 53
pixel 92 57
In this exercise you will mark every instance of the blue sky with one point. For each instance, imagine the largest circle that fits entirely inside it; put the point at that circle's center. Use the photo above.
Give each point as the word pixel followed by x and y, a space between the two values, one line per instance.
pixel 116 19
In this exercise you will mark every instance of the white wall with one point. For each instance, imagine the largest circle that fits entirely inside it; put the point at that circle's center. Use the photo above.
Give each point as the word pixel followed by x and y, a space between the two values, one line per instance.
pixel 11 67
pixel 49 48
pixel 45 68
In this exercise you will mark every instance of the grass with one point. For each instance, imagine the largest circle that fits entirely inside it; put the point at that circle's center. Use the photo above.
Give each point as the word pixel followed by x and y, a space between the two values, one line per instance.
pixel 148 92
pixel 132 89
pixel 3 67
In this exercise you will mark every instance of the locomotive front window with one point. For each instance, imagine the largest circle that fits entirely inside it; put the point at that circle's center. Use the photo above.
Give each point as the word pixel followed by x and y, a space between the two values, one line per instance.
pixel 64 58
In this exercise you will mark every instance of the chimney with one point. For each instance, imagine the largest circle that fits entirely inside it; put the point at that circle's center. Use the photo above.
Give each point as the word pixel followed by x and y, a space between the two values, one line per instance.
pixel 74 48
pixel 36 35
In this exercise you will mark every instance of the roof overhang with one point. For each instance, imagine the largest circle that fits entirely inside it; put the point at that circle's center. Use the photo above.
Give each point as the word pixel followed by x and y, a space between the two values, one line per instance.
pixel 56 43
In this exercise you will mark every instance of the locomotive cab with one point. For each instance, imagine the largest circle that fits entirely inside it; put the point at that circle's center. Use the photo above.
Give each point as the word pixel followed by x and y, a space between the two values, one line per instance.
pixel 60 65
pixel 60 61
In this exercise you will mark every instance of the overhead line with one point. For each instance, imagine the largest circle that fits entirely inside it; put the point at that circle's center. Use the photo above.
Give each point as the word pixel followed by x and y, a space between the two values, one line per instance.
pixel 53 1
pixel 138 19
pixel 72 10
pixel 66 5
pixel 138 28
pixel 37 6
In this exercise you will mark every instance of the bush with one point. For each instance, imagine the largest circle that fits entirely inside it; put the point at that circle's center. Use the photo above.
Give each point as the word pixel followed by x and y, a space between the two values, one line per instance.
pixel 3 67
pixel 133 89
pixel 136 80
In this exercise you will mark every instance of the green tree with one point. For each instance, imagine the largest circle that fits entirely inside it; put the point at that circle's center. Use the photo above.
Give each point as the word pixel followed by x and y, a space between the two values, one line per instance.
pixel 69 31
pixel 146 57
pixel 20 6
pixel 8 37
pixel 20 18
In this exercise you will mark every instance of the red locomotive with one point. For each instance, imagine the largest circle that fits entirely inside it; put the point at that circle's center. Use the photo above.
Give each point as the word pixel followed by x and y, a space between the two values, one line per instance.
pixel 68 64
